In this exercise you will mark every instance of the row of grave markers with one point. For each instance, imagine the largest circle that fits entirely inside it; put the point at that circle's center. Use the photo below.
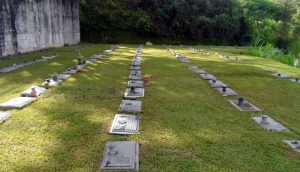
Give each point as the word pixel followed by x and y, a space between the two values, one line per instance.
pixel 265 121
pixel 276 75
pixel 124 155
pixel 31 94
pixel 222 56
pixel 14 66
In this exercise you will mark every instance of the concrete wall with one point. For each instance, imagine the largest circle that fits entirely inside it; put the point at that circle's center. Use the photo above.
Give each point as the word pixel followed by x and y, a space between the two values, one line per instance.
pixel 29 25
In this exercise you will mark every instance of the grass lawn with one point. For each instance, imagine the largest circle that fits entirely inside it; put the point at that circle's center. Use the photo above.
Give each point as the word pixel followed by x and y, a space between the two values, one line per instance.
pixel 185 125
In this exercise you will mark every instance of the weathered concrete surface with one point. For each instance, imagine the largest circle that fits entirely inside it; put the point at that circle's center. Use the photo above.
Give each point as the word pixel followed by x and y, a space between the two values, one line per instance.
pixel 29 25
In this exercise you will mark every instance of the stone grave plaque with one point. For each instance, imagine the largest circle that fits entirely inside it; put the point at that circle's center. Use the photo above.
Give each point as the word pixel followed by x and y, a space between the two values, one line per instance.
pixel 135 77
pixel 225 91
pixel 135 72
pixel 136 62
pixel 125 124
pixel 8 69
pixel 17 103
pixel 71 71
pixel 63 76
pixel 134 93
pixel 185 60
pixel 121 155
pixel 200 71
pixel 135 84
pixel 295 144
pixel 38 90
pixel 130 106
pixel 269 124
pixel 281 76
pixel 244 105
pixel 193 68
pixel 135 68
pixel 51 83
pixel 296 80
pixel 4 116
pixel 208 76
pixel 216 83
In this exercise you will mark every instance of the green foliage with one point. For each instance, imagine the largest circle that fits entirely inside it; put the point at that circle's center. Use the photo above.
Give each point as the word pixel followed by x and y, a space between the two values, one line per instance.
pixel 271 52
pixel 205 20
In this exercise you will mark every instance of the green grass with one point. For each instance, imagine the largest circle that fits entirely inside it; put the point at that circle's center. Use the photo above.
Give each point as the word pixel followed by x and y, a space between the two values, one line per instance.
pixel 9 60
pixel 185 125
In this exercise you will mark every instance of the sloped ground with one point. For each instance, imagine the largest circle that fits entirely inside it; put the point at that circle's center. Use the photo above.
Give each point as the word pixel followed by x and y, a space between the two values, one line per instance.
pixel 185 125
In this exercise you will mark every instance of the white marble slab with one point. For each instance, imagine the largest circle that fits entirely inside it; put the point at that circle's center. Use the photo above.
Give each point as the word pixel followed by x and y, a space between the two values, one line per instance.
pixel 130 106
pixel 121 155
pixel 39 91
pixel 247 106
pixel 269 124
pixel 17 103
pixel 4 116
pixel 125 124
pixel 135 93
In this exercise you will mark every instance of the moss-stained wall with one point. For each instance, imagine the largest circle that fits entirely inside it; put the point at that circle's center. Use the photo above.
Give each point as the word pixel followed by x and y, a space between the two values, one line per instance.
pixel 29 25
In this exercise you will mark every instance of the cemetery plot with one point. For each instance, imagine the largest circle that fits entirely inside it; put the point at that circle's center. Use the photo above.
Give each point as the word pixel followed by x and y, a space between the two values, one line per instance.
pixel 135 72
pixel 225 91
pixel 71 71
pixel 17 103
pixel 134 93
pixel 269 124
pixel 34 91
pixel 25 63
pixel 135 68
pixel 63 76
pixel 208 76
pixel 197 70
pixel 136 62
pixel 135 77
pixel 295 144
pixel 135 84
pixel 130 106
pixel 51 83
pixel 296 80
pixel 125 124
pixel 281 76
pixel 4 116
pixel 121 155
pixel 244 105
pixel 216 83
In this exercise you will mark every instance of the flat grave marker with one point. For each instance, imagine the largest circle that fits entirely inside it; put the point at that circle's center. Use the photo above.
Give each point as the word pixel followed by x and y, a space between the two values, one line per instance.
pixel 4 116
pixel 135 72
pixel 244 105
pixel 281 76
pixel 296 80
pixel 134 93
pixel 17 103
pixel 269 124
pixel 135 68
pixel 121 155
pixel 216 83
pixel 34 91
pixel 63 76
pixel 135 84
pixel 295 144
pixel 225 91
pixel 125 124
pixel 208 76
pixel 135 77
pixel 130 106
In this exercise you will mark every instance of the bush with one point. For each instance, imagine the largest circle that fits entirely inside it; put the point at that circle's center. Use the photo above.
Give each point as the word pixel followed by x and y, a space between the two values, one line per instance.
pixel 271 52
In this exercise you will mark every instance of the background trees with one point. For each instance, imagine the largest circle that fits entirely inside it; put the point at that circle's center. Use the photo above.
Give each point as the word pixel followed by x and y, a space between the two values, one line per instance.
pixel 270 22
